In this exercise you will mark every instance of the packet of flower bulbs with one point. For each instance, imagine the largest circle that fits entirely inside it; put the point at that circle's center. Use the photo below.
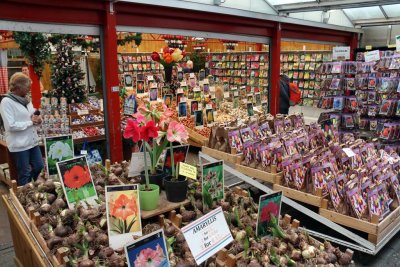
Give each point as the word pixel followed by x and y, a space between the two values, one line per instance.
pixel 58 149
pixel 123 214
pixel 268 214
pixel 77 182
pixel 149 250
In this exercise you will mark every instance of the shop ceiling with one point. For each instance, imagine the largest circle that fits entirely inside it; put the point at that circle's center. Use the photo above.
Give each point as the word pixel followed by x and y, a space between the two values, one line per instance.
pixel 361 13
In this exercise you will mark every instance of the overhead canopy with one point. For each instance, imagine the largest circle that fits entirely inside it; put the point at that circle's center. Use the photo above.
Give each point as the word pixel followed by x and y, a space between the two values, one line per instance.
pixel 359 12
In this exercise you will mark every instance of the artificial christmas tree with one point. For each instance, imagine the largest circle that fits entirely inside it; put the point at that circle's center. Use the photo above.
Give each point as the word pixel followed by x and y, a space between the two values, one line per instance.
pixel 67 75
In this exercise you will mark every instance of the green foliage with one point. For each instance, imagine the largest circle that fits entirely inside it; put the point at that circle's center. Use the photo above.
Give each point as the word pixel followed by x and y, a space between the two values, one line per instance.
pixel 199 61
pixel 137 38
pixel 35 47
pixel 75 40
pixel 67 75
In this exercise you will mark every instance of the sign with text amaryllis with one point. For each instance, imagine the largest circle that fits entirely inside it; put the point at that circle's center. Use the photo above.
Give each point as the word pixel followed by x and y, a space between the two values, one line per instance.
pixel 123 214
pixel 207 235
pixel 58 149
pixel 268 213
pixel 341 52
pixel 77 182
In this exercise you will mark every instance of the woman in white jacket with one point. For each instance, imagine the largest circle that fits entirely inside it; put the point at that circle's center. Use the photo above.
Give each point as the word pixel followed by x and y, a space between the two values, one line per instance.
pixel 19 121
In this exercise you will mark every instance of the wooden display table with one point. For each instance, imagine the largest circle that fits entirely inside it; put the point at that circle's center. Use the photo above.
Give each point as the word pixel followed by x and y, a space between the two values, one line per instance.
pixel 221 155
pixel 164 206
pixel 27 251
pixel 6 158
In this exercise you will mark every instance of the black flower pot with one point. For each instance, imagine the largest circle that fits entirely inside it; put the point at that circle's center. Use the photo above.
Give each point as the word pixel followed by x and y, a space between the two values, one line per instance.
pixel 176 190
pixel 156 179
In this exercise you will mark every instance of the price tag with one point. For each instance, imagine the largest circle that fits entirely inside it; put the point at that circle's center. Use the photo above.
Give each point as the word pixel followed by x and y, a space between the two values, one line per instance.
pixel 82 112
pixel 342 52
pixel 226 94
pixel 179 91
pixel 183 83
pixel 150 78
pixel 209 106
pixel 191 75
pixel 397 43
pixel 83 152
pixel 179 69
pixel 212 89
pixel 187 170
pixel 368 47
pixel 349 152
pixel 372 56
pixel 207 235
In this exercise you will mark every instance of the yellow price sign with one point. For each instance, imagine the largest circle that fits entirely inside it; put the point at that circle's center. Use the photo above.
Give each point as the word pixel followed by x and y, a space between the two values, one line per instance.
pixel 187 170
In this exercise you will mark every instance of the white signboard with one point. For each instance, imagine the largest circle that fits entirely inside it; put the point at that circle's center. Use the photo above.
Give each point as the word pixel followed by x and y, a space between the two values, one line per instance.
pixel 350 153
pixel 398 43
pixel 341 52
pixel 207 235
pixel 137 163
pixel 372 56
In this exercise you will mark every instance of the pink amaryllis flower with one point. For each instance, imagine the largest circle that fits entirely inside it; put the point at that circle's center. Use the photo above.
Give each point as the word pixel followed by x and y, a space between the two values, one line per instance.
pixel 149 257
pixel 132 130
pixel 167 111
pixel 176 132
pixel 140 119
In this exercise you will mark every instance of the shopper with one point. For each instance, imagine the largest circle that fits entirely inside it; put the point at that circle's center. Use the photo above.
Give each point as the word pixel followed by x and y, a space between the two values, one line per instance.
pixel 19 122
pixel 284 95
pixel 25 70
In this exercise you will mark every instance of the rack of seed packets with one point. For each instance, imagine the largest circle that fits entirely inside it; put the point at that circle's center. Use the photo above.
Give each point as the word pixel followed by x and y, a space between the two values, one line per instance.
pixel 54 115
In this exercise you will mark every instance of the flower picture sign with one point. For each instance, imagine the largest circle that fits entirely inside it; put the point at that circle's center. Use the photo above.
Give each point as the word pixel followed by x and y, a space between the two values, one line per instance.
pixel 212 183
pixel 77 182
pixel 58 149
pixel 269 209
pixel 123 214
pixel 149 250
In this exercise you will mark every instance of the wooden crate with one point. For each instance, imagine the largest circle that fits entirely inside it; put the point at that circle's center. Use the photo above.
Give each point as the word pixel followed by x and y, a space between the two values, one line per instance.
pixel 308 198
pixel 376 230
pixel 27 253
pixel 32 219
pixel 259 174
pixel 198 139
pixel 231 158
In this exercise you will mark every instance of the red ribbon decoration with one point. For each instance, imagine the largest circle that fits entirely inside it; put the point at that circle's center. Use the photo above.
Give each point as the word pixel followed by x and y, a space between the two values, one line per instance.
pixel 35 90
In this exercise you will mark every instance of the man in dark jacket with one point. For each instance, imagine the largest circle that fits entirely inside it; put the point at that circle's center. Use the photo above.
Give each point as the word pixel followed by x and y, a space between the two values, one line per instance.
pixel 284 96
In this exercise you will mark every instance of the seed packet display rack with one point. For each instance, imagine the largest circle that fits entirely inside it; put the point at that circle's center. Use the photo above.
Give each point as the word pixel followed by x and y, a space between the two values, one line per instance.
pixel 386 229
pixel 302 69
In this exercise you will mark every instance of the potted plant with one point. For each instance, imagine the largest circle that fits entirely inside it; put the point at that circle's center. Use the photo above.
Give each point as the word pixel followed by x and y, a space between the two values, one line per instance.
pixel 176 186
pixel 148 121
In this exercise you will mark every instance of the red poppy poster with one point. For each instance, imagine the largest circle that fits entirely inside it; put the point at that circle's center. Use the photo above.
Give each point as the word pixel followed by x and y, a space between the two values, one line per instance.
pixel 77 182
pixel 268 213
pixel 123 214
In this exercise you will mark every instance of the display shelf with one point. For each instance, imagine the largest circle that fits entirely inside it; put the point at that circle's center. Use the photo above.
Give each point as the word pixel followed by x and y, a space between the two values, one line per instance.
pixel 197 138
pixel 259 174
pixel 221 155
pixel 308 198
pixel 377 231
pixel 90 139
pixel 164 206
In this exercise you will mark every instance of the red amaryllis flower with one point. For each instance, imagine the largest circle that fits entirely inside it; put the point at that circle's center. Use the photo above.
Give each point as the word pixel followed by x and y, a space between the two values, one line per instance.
pixel 124 207
pixel 76 177
pixel 132 130
pixel 178 157
pixel 266 210
pixel 149 131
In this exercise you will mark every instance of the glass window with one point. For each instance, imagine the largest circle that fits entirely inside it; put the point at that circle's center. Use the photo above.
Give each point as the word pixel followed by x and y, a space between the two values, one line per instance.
pixel 392 10
pixel 372 12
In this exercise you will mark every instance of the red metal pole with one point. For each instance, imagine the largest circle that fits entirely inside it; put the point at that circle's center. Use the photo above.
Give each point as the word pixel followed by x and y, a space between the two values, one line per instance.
pixel 112 85
pixel 275 69
pixel 353 45
pixel 35 90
